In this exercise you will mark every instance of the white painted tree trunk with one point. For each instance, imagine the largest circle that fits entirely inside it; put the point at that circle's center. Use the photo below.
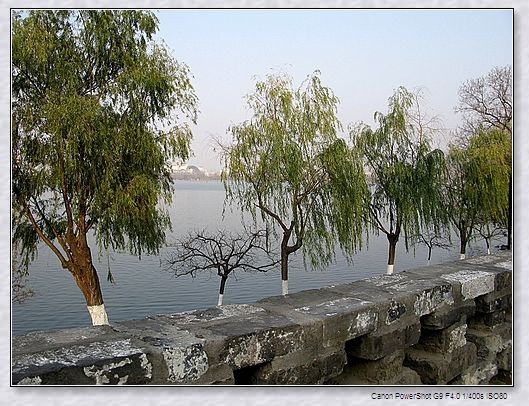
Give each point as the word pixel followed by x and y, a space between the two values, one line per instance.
pixel 488 251
pixel 98 315
pixel 461 256
pixel 221 298
pixel 284 287
pixel 390 270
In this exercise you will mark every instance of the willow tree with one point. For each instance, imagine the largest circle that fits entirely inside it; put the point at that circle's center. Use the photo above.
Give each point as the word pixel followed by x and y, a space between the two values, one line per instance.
pixel 407 174
pixel 486 104
pixel 477 190
pixel 287 166
pixel 98 110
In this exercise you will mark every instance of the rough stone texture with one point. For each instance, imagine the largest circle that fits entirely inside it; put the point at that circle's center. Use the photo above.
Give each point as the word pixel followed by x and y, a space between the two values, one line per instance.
pixel 494 301
pixel 444 341
pixel 385 371
pixel 479 374
pixel 384 341
pixel 438 368
pixel 490 341
pixel 448 323
pixel 305 370
pixel 473 283
pixel 447 315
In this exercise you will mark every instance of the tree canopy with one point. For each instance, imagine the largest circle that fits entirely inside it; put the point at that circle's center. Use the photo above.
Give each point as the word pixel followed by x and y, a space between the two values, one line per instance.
pixel 407 175
pixel 477 190
pixel 486 102
pixel 287 164
pixel 98 110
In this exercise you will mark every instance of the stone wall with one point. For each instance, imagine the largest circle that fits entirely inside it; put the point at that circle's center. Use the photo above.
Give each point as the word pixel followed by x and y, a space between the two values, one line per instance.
pixel 443 324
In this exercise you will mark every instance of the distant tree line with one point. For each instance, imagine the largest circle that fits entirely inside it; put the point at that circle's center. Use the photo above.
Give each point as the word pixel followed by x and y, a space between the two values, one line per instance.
pixel 99 110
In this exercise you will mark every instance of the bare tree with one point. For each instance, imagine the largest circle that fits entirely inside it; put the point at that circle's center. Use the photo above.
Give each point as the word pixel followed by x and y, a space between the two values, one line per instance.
pixel 431 239
pixel 223 252
pixel 489 231
pixel 487 101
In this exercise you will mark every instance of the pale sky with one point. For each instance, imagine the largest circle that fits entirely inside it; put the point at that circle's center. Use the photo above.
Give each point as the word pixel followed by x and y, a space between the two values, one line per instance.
pixel 363 55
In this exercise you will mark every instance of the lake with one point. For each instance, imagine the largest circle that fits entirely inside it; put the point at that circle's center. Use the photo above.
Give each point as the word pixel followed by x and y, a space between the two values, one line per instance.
pixel 142 288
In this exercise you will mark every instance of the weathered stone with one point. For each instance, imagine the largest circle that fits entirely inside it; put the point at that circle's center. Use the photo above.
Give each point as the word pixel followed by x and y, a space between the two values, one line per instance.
pixel 444 341
pixel 437 368
pixel 385 341
pixel 376 372
pixel 216 375
pixel 490 342
pixel 98 362
pixel 479 374
pixel 308 370
pixel 504 358
pixel 473 283
pixel 502 378
pixel 493 302
pixel 489 319
pixel 447 315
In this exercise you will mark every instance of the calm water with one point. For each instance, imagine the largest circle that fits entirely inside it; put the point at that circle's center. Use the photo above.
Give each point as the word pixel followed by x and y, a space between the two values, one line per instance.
pixel 142 288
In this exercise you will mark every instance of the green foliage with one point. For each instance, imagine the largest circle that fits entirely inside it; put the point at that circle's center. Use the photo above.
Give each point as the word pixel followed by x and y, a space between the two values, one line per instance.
pixel 99 110
pixel 406 173
pixel 478 182
pixel 288 165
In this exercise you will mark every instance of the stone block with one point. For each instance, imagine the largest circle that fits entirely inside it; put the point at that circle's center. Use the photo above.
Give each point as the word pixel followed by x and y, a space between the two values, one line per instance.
pixel 376 372
pixel 98 362
pixel 300 369
pixel 473 283
pixel 444 341
pixel 385 341
pixel 503 377
pixel 437 368
pixel 504 358
pixel 479 374
pixel 447 315
pixel 353 375
pixel 494 301
pixel 490 342
pixel 489 319
pixel 216 375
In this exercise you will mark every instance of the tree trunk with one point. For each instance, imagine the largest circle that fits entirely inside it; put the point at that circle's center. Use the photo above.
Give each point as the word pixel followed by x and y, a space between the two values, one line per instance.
pixel 86 278
pixel 88 281
pixel 285 252
pixel 284 271
pixel 221 290
pixel 463 247
pixel 429 254
pixel 487 241
pixel 392 238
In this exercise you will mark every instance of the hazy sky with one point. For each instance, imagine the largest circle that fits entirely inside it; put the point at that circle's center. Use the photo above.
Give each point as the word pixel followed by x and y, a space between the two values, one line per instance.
pixel 363 55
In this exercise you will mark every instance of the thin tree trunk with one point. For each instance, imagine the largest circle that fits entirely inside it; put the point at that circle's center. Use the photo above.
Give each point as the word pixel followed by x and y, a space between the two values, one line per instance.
pixel 392 238
pixel 285 252
pixel 221 289
pixel 487 241
pixel 284 271
pixel 463 248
